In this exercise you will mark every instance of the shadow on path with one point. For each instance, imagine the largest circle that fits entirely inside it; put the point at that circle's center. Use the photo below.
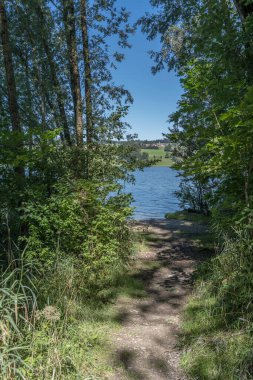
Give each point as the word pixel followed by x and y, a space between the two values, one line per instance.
pixel 146 347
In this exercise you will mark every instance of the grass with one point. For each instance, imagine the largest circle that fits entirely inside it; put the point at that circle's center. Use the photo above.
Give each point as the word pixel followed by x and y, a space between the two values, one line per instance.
pixel 217 324
pixel 80 347
pixel 73 349
pixel 68 336
pixel 192 217
pixel 217 328
pixel 212 350
pixel 160 154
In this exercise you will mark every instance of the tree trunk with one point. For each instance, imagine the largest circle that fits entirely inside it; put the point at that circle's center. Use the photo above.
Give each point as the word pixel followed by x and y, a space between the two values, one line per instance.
pixel 88 78
pixel 11 84
pixel 69 21
pixel 45 96
pixel 55 81
pixel 59 94
pixel 43 102
pixel 243 9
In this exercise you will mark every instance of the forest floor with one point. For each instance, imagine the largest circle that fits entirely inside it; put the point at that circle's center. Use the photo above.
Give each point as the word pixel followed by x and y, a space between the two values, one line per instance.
pixel 147 344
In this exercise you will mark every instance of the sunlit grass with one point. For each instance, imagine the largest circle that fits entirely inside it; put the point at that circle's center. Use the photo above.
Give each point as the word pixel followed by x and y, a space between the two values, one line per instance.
pixel 160 154
pixel 66 337
pixel 217 328
pixel 192 217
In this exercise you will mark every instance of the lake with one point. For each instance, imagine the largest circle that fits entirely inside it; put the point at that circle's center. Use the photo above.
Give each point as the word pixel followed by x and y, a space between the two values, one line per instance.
pixel 153 192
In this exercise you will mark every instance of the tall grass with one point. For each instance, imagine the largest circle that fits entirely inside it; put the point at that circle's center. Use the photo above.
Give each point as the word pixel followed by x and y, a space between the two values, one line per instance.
pixel 50 328
pixel 17 311
pixel 46 329
pixel 218 321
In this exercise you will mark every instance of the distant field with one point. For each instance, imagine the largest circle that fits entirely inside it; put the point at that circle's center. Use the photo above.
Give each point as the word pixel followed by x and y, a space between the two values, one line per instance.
pixel 158 153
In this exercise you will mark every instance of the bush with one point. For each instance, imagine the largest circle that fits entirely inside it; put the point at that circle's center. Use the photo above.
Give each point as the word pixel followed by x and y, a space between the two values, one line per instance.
pixel 81 220
pixel 77 242
pixel 192 194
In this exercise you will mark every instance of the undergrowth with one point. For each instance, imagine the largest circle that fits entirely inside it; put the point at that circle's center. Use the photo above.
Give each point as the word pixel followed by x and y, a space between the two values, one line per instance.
pixel 57 333
pixel 56 297
pixel 218 321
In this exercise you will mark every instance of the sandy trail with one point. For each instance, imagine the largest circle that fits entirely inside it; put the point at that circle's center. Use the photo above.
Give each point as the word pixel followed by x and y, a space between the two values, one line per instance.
pixel 146 347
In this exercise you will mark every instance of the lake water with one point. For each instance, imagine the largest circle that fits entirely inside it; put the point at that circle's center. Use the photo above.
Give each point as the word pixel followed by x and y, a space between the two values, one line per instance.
pixel 153 192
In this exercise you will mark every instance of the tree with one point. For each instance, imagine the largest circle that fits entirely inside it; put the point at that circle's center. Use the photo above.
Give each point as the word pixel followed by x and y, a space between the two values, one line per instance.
pixel 59 64
pixel 87 68
pixel 244 8
pixel 69 22
pixel 53 75
pixel 206 43
pixel 11 85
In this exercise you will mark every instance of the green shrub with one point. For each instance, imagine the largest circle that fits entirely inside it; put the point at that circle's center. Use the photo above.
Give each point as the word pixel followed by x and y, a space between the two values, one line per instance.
pixel 53 322
pixel 57 226
pixel 83 221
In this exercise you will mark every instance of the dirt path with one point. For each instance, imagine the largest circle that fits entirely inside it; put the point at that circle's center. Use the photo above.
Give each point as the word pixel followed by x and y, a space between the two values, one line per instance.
pixel 146 347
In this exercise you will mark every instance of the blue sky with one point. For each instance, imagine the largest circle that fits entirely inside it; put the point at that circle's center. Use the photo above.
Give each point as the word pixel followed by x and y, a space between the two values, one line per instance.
pixel 155 97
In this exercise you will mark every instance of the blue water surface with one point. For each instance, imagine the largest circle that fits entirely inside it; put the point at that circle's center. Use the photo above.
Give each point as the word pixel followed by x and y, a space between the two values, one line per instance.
pixel 153 192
